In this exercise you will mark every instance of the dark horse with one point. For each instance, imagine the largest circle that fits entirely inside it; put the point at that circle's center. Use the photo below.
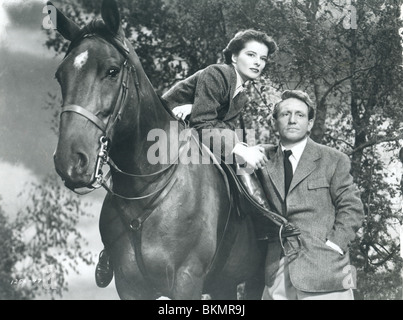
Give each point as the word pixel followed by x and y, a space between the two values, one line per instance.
pixel 171 229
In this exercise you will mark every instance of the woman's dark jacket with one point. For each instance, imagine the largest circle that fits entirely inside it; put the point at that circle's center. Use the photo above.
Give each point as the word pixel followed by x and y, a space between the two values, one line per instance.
pixel 215 113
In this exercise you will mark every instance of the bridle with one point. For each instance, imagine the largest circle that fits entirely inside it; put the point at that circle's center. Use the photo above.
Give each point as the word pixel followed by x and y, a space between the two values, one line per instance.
pixel 99 179
pixel 106 128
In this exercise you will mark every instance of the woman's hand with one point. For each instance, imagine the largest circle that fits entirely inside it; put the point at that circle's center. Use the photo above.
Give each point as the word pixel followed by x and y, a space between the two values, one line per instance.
pixel 182 111
pixel 254 156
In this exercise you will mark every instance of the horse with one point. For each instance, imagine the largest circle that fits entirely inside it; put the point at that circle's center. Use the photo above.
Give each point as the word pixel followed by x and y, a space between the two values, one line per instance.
pixel 171 228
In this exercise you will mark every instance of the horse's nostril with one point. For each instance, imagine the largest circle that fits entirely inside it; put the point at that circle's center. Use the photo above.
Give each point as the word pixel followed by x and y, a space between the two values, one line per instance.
pixel 82 161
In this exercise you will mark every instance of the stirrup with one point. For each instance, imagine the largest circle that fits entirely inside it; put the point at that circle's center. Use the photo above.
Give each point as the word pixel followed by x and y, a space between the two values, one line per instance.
pixel 287 231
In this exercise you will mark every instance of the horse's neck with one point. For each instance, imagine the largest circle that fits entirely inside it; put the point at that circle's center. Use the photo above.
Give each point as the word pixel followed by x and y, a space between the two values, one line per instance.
pixel 136 152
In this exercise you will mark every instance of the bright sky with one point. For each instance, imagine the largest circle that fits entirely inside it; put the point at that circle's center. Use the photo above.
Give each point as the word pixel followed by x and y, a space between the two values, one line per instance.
pixel 22 30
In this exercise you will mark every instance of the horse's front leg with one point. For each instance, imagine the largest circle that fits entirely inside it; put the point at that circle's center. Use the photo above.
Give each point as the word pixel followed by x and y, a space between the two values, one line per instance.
pixel 189 280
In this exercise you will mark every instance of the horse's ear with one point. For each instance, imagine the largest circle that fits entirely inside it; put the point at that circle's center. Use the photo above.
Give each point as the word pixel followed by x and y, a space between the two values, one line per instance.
pixel 110 15
pixel 67 27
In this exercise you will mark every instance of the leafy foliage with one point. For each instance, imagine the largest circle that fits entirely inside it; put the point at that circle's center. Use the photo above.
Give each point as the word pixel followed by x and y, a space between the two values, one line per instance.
pixel 42 245
pixel 9 252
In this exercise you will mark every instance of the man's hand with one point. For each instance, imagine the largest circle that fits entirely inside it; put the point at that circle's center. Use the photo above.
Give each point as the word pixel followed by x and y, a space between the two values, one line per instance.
pixel 254 157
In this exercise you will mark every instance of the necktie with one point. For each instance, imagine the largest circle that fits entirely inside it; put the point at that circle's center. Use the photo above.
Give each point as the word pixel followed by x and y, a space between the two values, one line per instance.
pixel 288 173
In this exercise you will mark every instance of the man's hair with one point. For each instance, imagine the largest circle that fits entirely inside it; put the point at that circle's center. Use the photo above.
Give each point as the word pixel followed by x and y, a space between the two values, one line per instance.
pixel 296 94
pixel 238 42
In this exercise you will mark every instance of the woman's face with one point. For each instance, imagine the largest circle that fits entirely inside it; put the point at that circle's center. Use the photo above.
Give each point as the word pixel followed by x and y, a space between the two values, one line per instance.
pixel 251 60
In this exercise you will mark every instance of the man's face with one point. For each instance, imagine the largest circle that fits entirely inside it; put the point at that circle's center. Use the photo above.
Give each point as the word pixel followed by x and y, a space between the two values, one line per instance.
pixel 292 121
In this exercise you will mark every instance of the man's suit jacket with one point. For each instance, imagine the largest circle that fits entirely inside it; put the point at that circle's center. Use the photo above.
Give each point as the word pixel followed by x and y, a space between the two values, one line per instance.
pixel 211 92
pixel 325 204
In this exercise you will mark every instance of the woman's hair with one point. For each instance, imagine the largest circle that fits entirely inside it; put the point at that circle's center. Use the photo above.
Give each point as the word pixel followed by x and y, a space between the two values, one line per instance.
pixel 239 41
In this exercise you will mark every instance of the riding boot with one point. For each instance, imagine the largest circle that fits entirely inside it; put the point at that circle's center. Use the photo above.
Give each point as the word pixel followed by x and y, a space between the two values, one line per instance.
pixel 103 270
pixel 254 188
pixel 268 224
pixel 263 226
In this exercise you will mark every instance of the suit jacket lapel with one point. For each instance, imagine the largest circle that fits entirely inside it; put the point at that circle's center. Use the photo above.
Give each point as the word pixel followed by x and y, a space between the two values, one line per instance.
pixel 275 170
pixel 306 164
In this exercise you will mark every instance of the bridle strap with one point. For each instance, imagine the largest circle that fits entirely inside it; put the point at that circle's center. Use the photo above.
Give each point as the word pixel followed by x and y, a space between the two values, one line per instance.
pixel 85 113
pixel 117 110
pixel 121 100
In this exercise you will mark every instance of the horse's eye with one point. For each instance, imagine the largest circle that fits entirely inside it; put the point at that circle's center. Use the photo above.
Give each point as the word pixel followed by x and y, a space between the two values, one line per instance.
pixel 113 72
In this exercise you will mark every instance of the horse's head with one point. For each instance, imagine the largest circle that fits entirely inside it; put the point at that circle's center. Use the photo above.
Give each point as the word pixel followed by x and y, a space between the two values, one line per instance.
pixel 94 77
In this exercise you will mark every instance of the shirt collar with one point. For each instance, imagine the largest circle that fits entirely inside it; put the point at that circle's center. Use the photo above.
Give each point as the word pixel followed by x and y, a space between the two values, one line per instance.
pixel 239 87
pixel 297 150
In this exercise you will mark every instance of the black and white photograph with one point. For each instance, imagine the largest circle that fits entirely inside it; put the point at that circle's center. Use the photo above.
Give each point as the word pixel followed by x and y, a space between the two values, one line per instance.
pixel 220 151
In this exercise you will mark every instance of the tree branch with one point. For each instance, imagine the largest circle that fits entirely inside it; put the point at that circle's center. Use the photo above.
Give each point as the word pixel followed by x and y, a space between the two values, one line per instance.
pixel 383 261
pixel 375 141
pixel 342 140
pixel 335 84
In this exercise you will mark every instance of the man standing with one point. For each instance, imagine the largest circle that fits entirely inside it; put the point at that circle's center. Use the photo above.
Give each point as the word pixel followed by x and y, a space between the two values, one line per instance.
pixel 309 184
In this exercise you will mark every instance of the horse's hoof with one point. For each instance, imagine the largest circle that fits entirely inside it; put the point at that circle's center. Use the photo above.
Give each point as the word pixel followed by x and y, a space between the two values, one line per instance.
pixel 104 270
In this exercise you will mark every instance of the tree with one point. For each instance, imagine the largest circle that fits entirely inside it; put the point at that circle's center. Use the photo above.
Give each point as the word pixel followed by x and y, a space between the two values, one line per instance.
pixel 48 241
pixel 9 252
pixel 42 244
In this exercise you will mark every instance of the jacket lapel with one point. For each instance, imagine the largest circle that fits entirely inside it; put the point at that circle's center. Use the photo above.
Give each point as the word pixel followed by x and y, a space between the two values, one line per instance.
pixel 306 164
pixel 275 170
pixel 237 103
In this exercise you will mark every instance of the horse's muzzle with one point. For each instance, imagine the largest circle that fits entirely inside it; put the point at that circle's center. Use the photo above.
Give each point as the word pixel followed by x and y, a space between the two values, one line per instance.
pixel 73 170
